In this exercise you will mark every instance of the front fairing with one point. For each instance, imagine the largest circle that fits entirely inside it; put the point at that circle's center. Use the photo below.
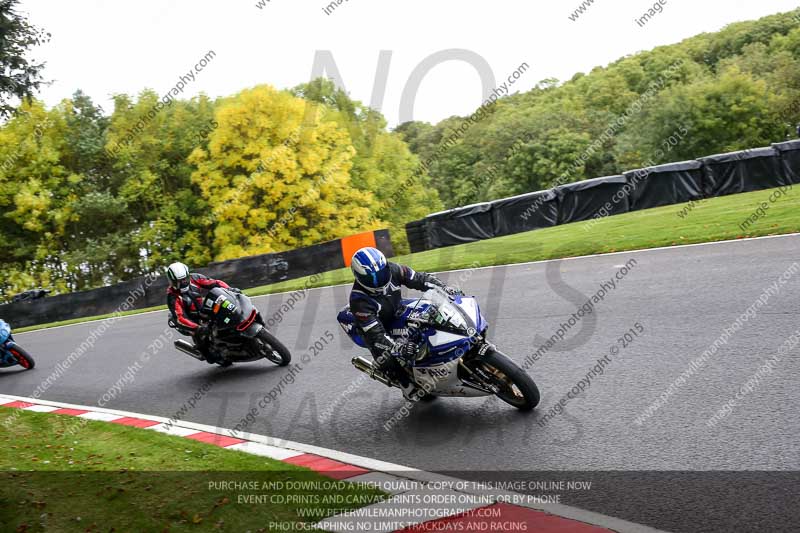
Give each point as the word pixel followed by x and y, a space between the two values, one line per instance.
pixel 448 328
pixel 451 329
pixel 227 310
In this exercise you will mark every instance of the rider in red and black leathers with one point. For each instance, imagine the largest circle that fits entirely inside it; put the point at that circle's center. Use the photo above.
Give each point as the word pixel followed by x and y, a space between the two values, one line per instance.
pixel 185 305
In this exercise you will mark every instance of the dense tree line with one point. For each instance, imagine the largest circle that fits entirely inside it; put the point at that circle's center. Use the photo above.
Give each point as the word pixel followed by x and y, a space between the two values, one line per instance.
pixel 85 203
pixel 717 92
pixel 92 196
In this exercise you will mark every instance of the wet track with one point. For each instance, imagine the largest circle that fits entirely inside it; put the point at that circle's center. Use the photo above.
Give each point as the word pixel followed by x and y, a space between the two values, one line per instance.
pixel 683 298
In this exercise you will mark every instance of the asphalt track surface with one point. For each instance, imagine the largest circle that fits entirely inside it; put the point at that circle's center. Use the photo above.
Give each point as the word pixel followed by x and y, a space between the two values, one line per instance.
pixel 672 472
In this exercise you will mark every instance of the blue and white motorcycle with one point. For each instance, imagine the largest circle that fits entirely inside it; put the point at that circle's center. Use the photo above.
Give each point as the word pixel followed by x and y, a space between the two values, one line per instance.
pixel 11 353
pixel 454 359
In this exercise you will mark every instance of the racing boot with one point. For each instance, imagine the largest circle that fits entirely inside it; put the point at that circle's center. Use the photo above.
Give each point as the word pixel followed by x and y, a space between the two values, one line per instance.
pixel 411 392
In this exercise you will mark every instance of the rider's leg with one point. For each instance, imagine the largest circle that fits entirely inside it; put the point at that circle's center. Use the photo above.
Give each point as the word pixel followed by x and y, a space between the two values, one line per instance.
pixel 203 345
pixel 384 360
pixel 391 367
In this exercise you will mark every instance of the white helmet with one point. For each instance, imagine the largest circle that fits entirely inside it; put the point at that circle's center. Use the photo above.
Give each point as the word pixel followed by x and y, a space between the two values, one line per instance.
pixel 178 275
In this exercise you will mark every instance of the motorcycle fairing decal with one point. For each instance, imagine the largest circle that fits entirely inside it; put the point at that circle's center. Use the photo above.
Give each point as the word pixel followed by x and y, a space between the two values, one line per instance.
pixel 412 309
pixel 443 380
pixel 218 303
pixel 442 377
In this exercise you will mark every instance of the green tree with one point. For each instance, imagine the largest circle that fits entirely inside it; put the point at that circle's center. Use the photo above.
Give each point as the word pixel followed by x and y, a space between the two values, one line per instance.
pixel 275 180
pixel 151 144
pixel 382 164
pixel 731 111
pixel 34 188
pixel 19 78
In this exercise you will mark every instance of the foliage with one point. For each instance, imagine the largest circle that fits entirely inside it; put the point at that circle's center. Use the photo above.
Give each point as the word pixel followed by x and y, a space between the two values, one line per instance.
pixel 382 164
pixel 19 77
pixel 91 196
pixel 274 180
pixel 735 89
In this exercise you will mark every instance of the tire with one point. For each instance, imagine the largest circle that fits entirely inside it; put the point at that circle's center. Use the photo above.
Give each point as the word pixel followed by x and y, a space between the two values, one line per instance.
pixel 283 357
pixel 23 357
pixel 526 396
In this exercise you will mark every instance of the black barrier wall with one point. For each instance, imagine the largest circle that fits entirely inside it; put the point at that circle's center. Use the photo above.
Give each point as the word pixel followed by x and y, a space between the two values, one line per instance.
pixel 789 153
pixel 466 224
pixel 751 170
pixel 672 183
pixel 417 235
pixel 525 212
pixel 245 273
pixel 585 200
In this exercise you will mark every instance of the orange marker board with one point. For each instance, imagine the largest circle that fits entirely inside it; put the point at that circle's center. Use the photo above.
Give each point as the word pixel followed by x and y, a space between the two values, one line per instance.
pixel 354 243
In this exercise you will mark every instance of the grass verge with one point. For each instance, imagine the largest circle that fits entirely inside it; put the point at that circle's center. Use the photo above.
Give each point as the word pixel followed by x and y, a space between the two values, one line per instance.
pixel 61 473
pixel 715 219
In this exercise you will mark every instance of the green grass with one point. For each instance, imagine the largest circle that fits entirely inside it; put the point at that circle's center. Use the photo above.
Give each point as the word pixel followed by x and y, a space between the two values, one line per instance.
pixel 61 473
pixel 710 220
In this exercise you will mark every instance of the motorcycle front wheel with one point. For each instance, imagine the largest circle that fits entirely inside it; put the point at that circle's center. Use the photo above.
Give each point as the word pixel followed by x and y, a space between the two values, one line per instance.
pixel 23 358
pixel 516 386
pixel 272 349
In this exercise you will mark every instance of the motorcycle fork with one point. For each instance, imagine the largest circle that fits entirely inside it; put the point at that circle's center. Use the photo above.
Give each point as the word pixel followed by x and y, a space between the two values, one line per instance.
pixel 478 377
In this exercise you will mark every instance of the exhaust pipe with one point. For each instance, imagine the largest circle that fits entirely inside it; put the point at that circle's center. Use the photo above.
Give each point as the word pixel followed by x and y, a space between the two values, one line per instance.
pixel 369 369
pixel 188 349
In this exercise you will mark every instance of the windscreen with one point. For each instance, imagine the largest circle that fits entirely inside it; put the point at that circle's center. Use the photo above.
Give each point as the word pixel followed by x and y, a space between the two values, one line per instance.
pixel 442 312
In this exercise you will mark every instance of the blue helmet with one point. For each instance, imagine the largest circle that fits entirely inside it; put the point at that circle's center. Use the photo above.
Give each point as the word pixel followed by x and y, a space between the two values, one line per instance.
pixel 371 269
pixel 5 331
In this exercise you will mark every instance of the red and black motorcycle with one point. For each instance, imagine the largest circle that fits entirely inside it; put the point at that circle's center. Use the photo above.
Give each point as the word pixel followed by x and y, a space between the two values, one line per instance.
pixel 237 331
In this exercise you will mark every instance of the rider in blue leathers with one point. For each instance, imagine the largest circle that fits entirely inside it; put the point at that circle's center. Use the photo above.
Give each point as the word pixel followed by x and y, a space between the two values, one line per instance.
pixel 5 332
pixel 375 301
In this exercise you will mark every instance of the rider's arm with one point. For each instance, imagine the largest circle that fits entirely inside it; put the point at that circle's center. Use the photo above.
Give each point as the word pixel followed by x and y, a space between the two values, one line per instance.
pixel 208 283
pixel 420 281
pixel 180 315
pixel 365 311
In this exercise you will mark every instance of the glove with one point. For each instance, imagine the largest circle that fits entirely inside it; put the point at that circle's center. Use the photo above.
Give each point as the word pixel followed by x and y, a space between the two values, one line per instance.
pixel 406 350
pixel 202 331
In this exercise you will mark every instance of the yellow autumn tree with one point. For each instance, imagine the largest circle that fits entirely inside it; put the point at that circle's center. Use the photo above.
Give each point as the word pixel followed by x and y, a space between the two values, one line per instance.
pixel 276 175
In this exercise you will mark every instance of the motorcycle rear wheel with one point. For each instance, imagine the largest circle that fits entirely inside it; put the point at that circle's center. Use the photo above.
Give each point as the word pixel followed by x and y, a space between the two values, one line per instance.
pixel 516 386
pixel 273 349
pixel 23 358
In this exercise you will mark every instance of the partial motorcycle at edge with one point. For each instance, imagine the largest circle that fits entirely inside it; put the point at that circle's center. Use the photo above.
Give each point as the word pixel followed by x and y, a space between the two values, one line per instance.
pixel 11 353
